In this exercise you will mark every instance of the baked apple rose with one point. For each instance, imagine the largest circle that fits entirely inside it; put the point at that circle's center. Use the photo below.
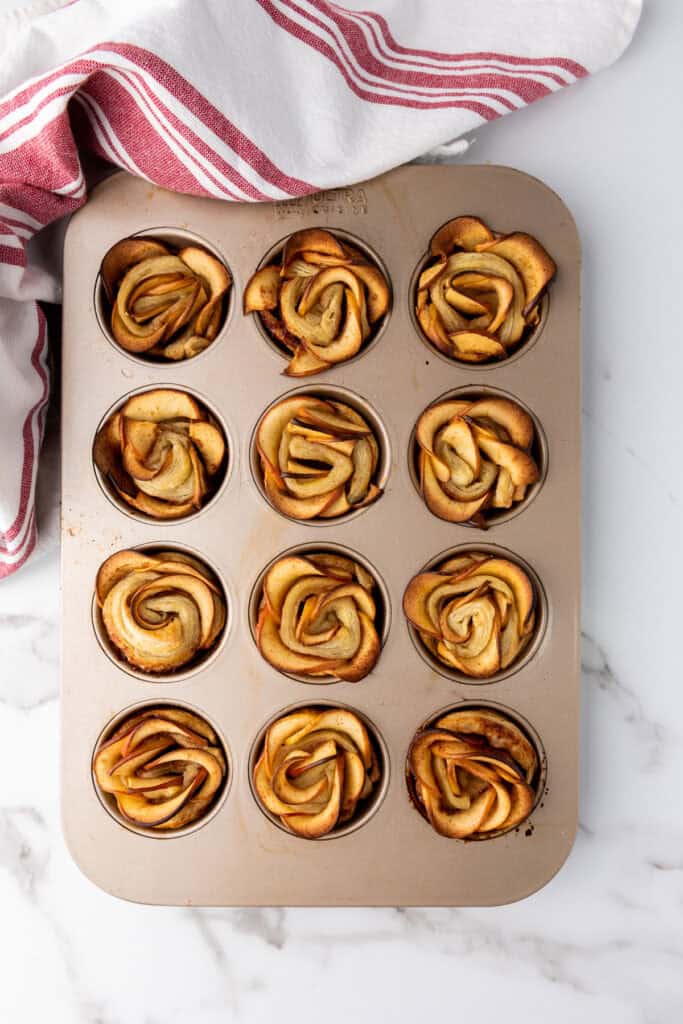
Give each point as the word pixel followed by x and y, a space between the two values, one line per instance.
pixel 317 618
pixel 479 296
pixel 474 456
pixel 160 611
pixel 321 301
pixel 476 613
pixel 316 767
pixel 162 453
pixel 318 458
pixel 471 774
pixel 163 766
pixel 164 302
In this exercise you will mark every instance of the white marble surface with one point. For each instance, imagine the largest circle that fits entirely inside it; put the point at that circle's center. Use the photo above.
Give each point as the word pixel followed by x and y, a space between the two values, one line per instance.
pixel 604 940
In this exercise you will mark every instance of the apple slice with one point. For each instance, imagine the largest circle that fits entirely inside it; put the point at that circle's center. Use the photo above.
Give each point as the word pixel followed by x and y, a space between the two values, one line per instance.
pixel 355 780
pixel 178 760
pixel 280 578
pixel 323 416
pixel 461 565
pixel 139 437
pixel 106 757
pixel 377 288
pixel 274 326
pixel 180 477
pixel 430 323
pixel 518 581
pixel 340 468
pixel 208 268
pixel 432 420
pixel 508 414
pixel 529 258
pixel 272 426
pixel 138 809
pixel 446 777
pixel 505 767
pixel 155 726
pixel 415 601
pixel 324 279
pixel 463 302
pixel 366 656
pixel 299 762
pixel 342 505
pixel 361 597
pixel 460 824
pixel 343 721
pixel 363 468
pixel 123 255
pixel 499 733
pixel 505 490
pixel 476 346
pixel 272 803
pixel 282 729
pixel 420 757
pixel 156 509
pixel 521 804
pixel 262 290
pixel 480 665
pixel 117 567
pixel 188 719
pixel 488 480
pixel 313 826
pixel 162 404
pixel 210 444
pixel 346 639
pixel 350 339
pixel 305 363
pixel 312 240
pixel 459 233
pixel 281 657
pixel 129 763
pixel 199 591
pixel 441 504
pixel 152 266
pixel 298 508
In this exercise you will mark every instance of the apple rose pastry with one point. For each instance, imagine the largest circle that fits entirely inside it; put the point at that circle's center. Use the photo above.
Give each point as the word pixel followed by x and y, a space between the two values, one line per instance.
pixel 161 611
pixel 317 618
pixel 316 767
pixel 474 456
pixel 164 767
pixel 318 458
pixel 478 297
pixel 164 302
pixel 162 453
pixel 475 613
pixel 471 774
pixel 321 301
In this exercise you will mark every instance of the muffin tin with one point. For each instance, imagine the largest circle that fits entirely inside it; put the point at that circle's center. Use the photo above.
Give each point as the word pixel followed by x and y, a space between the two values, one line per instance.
pixel 237 855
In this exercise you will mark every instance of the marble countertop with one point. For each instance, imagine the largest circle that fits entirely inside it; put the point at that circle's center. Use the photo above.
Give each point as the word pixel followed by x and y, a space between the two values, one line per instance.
pixel 603 941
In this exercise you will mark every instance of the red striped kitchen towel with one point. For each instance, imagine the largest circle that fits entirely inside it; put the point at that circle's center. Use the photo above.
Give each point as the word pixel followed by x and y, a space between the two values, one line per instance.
pixel 241 100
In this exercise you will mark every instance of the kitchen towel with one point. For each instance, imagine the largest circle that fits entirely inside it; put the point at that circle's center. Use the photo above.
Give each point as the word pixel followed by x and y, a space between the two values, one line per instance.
pixel 243 100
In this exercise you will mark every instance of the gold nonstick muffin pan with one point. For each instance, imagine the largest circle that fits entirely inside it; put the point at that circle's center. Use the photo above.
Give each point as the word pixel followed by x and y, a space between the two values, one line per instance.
pixel 203 711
